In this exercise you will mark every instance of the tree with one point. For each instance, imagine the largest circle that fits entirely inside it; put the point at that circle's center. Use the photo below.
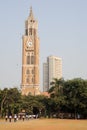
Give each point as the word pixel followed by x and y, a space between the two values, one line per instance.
pixel 57 87
pixel 10 101
pixel 57 97
pixel 32 104
pixel 75 91
pixel 3 95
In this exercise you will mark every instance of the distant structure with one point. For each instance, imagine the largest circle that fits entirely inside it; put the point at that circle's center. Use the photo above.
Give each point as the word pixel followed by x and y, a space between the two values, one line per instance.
pixel 51 69
pixel 30 57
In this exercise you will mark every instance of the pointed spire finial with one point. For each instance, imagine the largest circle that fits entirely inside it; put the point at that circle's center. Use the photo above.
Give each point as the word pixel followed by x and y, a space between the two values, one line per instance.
pixel 31 10
pixel 31 13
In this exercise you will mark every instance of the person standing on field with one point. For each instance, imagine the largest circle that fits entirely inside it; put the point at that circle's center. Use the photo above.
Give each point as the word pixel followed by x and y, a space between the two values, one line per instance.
pixel 6 117
pixel 23 117
pixel 15 118
pixel 10 117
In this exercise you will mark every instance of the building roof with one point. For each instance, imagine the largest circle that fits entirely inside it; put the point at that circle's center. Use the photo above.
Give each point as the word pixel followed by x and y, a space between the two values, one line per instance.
pixel 45 94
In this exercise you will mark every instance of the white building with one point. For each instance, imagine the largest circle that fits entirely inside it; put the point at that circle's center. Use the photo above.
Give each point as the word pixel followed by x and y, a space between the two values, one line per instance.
pixel 45 77
pixel 51 69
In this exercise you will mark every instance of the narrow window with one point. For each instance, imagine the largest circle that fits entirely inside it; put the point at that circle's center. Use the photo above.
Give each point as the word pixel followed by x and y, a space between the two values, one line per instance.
pixel 32 71
pixel 28 59
pixel 26 32
pixel 30 31
pixel 32 80
pixel 27 80
pixel 32 59
pixel 27 72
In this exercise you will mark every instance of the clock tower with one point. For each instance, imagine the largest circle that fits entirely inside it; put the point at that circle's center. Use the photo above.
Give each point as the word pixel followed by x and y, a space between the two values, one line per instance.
pixel 30 57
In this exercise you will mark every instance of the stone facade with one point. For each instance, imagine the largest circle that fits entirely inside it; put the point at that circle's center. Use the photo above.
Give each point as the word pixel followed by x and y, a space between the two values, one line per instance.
pixel 30 57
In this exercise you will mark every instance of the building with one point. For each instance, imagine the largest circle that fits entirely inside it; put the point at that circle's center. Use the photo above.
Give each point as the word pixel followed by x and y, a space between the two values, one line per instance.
pixel 30 57
pixel 45 77
pixel 51 69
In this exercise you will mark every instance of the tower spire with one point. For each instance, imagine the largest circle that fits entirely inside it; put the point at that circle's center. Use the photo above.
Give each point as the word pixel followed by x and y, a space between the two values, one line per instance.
pixel 31 13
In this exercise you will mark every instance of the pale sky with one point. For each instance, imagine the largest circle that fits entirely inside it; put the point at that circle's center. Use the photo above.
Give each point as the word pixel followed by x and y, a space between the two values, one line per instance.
pixel 62 32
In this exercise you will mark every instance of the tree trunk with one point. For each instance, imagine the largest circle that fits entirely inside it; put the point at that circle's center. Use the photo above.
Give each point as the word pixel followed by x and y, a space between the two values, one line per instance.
pixel 75 114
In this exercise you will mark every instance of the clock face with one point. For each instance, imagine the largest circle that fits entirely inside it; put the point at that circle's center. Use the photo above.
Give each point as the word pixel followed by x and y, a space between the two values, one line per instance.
pixel 29 44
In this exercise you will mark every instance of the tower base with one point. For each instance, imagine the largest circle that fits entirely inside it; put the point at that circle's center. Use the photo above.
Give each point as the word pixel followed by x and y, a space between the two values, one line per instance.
pixel 30 91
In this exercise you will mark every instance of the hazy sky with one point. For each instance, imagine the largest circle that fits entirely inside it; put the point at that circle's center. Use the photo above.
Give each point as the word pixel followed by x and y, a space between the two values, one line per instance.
pixel 62 31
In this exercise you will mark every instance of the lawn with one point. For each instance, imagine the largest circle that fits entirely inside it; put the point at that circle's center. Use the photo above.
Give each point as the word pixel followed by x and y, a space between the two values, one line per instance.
pixel 44 124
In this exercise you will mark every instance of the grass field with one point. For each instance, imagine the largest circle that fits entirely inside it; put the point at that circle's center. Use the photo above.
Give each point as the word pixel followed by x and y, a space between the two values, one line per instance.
pixel 44 124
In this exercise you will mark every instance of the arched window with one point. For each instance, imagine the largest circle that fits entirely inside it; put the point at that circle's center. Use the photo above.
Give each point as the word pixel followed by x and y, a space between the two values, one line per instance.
pixel 32 71
pixel 32 59
pixel 27 72
pixel 30 31
pixel 27 80
pixel 26 32
pixel 28 59
pixel 29 93
pixel 32 80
